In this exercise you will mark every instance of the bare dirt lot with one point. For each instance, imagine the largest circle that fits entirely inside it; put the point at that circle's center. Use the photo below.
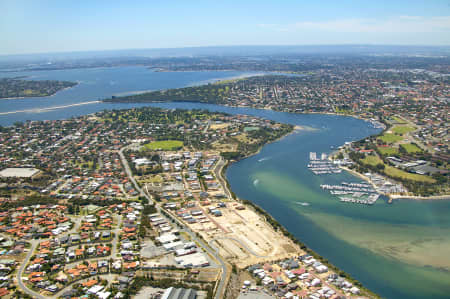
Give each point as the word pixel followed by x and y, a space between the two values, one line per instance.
pixel 243 237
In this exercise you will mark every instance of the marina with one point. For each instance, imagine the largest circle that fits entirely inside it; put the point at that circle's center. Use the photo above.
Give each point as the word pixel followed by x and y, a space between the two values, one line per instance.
pixel 322 165
pixel 351 188
pixel 370 200
pixel 359 193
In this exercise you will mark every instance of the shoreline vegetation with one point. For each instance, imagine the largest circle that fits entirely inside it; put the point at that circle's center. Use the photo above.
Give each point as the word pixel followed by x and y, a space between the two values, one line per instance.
pixel 17 88
pixel 379 162
pixel 276 226
pixel 395 196
pixel 220 93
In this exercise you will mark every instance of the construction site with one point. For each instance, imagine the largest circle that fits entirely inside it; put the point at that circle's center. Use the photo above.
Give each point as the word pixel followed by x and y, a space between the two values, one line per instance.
pixel 242 236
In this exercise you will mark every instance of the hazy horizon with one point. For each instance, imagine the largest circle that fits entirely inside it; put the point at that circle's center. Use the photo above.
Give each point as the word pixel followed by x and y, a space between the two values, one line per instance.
pixel 237 50
pixel 40 27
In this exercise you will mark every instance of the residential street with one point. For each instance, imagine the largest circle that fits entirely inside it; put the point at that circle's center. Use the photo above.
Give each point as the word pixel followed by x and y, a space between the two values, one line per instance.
pixel 34 244
pixel 222 283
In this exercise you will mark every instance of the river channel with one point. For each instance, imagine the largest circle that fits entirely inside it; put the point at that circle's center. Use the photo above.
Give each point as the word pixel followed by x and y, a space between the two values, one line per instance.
pixel 398 250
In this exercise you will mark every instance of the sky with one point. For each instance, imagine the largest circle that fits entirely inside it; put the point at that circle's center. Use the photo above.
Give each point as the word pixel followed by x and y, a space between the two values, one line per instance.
pixel 63 26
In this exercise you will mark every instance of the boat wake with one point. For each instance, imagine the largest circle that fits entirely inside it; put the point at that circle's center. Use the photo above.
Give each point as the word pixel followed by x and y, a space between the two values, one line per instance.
pixel 305 204
pixel 264 159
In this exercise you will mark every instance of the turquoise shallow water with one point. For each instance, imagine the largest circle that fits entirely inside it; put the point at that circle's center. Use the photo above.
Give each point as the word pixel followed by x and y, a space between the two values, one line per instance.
pixel 383 245
pixel 400 250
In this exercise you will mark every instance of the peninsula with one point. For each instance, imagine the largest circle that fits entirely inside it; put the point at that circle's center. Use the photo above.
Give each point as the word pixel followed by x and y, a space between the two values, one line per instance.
pixel 13 88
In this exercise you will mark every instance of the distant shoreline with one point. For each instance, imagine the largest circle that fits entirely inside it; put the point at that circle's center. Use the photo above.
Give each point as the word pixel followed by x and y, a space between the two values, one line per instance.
pixel 44 96
pixel 39 110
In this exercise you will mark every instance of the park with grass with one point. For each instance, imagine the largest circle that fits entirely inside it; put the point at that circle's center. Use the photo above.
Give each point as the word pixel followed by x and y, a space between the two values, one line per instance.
pixel 398 120
pixel 403 129
pixel 411 148
pixel 387 151
pixel 372 160
pixel 164 145
pixel 390 138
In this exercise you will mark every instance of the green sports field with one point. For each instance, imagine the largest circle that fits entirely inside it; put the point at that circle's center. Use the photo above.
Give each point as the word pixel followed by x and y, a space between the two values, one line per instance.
pixel 165 145
pixel 388 151
pixel 411 148
pixel 402 129
pixel 390 138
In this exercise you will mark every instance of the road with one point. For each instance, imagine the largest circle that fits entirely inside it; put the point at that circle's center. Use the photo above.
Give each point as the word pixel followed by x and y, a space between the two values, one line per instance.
pixel 116 232
pixel 77 223
pixel 214 253
pixel 222 283
pixel 107 276
pixel 130 174
pixel 218 173
pixel 34 244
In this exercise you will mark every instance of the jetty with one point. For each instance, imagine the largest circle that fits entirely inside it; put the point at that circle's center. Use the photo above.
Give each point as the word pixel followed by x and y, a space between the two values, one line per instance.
pixel 369 201
pixel 359 193
pixel 322 165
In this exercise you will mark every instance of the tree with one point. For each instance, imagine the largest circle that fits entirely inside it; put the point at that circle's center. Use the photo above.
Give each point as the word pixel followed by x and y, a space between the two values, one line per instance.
pixel 380 166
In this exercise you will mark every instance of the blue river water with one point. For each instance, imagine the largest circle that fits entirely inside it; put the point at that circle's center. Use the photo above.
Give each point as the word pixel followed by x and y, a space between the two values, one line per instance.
pixel 96 84
pixel 398 250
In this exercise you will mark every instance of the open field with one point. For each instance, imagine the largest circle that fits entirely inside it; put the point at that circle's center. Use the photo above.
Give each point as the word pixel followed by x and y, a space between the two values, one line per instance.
pixel 224 147
pixel 390 138
pixel 165 145
pixel 244 138
pixel 219 126
pixel 403 129
pixel 388 151
pixel 398 120
pixel 395 172
pixel 151 179
pixel 372 160
pixel 411 148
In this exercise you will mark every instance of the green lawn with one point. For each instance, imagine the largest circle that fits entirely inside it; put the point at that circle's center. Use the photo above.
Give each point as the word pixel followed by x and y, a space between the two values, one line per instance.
pixel 390 138
pixel 372 160
pixel 398 120
pixel 395 172
pixel 388 151
pixel 411 148
pixel 165 145
pixel 402 129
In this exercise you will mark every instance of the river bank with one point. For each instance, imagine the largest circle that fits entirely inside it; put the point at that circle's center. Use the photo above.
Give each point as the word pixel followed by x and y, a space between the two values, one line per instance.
pixel 433 197
pixel 395 196
pixel 278 228
pixel 43 96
